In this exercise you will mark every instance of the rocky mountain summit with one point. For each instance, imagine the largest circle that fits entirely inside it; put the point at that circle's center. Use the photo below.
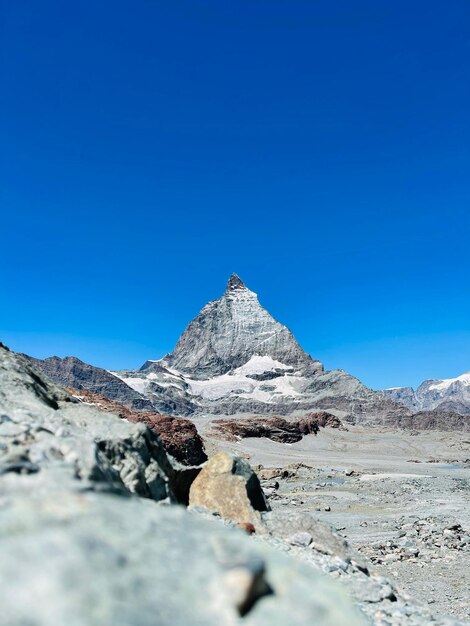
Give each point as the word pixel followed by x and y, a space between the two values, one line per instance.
pixel 451 395
pixel 233 358
pixel 228 332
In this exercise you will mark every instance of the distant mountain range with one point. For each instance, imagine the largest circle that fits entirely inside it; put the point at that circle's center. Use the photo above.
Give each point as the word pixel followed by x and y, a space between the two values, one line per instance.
pixel 235 358
pixel 448 394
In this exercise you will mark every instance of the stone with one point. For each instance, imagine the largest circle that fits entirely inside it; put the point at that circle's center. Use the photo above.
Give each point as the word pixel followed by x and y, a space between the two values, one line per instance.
pixel 325 539
pixel 92 558
pixel 228 485
pixel 246 584
pixel 247 527
pixel 58 436
pixel 303 539
pixel 276 428
pixel 178 436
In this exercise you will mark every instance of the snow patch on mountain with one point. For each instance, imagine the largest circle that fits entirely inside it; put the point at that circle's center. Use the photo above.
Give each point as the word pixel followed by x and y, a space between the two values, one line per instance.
pixel 260 364
pixel 448 382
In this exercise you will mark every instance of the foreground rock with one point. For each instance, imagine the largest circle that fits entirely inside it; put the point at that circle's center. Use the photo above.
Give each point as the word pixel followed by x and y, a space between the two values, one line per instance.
pixel 79 547
pixel 44 429
pixel 229 487
pixel 94 559
pixel 178 436
pixel 276 428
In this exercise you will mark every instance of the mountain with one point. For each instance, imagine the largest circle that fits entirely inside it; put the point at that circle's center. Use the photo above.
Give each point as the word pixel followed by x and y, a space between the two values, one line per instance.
pixel 228 332
pixel 233 358
pixel 451 395
pixel 71 372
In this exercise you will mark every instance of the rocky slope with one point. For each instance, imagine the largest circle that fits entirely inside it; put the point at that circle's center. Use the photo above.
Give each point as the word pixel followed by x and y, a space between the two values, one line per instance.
pixel 71 372
pixel 451 395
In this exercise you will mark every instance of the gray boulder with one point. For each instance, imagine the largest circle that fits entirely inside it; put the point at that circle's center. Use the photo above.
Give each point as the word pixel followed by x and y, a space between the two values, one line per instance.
pixel 91 559
pixel 43 429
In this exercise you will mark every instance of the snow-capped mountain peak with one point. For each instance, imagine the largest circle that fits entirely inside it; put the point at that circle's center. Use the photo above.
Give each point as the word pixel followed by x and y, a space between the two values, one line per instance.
pixel 229 331
pixel 445 383
pixel 446 394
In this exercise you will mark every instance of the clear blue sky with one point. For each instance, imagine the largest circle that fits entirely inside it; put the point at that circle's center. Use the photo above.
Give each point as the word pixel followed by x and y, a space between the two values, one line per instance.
pixel 321 150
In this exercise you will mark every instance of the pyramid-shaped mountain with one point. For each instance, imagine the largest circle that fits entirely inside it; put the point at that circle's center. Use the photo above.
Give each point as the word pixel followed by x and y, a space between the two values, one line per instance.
pixel 231 330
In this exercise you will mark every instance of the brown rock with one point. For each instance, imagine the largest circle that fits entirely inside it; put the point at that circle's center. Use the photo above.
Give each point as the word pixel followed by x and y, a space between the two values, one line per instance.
pixel 276 428
pixel 179 436
pixel 227 485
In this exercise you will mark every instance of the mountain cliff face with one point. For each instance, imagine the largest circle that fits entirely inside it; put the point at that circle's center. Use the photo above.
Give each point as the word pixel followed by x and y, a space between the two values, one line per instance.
pixel 71 372
pixel 233 358
pixel 451 395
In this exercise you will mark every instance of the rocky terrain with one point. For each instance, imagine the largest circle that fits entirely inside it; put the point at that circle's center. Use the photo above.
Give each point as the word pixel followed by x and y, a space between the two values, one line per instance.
pixel 74 373
pixel 91 531
pixel 361 516
pixel 84 539
pixel 401 498
pixel 451 395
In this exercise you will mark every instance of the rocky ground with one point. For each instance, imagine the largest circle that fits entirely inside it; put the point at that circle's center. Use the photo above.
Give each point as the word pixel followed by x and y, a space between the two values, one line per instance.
pixel 402 499
pixel 94 527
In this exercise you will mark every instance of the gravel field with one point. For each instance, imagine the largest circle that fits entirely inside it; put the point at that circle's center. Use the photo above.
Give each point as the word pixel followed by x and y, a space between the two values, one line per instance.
pixel 401 498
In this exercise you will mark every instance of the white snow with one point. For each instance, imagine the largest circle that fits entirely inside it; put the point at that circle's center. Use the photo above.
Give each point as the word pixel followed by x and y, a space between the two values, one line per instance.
pixel 220 386
pixel 239 381
pixel 138 384
pixel 446 383
pixel 259 364
pixel 236 382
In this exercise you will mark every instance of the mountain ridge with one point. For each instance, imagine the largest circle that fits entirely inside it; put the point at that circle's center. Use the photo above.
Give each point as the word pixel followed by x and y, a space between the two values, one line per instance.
pixel 446 394
pixel 233 358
